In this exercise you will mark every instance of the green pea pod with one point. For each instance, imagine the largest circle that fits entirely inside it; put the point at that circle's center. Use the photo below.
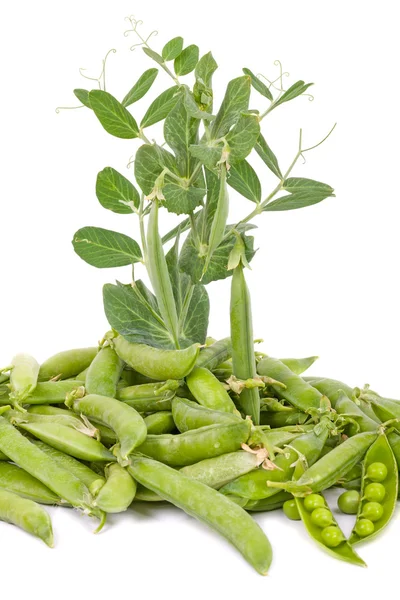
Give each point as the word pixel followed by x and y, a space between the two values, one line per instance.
pixel 284 418
pixel 208 391
pixel 346 407
pixel 143 494
pixel 190 415
pixel 208 506
pixel 27 515
pixel 23 378
pixel 297 392
pixel 254 486
pixel 163 390
pixel 16 480
pixel 67 364
pixel 217 472
pixel 33 460
pixel 197 444
pixel 160 279
pixel 93 481
pixel 212 356
pixel 3 456
pixel 156 363
pixel 275 438
pixel 4 378
pixel 160 422
pixel 379 452
pixel 331 467
pixel 124 420
pixel 104 373
pixel 299 365
pixel 267 504
pixel 132 377
pixel 220 218
pixel 69 441
pixel 331 388
pixel 243 359
pixel 343 551
pixel 118 492
pixel 53 392
pixel 68 420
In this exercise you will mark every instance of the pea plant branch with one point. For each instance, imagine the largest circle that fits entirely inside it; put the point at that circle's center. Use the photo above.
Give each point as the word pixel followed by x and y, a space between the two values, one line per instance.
pixel 205 152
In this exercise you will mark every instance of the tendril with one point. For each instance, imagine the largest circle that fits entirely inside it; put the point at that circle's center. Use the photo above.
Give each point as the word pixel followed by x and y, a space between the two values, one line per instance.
pixel 130 162
pixel 135 23
pixel 319 143
pixel 60 108
pixel 272 83
pixel 310 97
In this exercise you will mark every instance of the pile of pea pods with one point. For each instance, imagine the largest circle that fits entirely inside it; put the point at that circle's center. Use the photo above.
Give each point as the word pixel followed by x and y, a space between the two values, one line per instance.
pixel 101 429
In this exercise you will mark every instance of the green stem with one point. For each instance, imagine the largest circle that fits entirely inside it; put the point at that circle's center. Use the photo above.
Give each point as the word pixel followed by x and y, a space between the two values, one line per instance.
pixel 142 229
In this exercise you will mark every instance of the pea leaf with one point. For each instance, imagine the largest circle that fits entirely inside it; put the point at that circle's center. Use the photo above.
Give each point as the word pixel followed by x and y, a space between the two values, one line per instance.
pixel 180 131
pixel 180 228
pixel 242 137
pixel 187 60
pixel 154 55
pixel 146 295
pixel 181 200
pixel 103 248
pixel 205 69
pixel 83 97
pixel 114 117
pixel 266 154
pixel 236 101
pixel 172 48
pixel 259 85
pixel 161 107
pixel 208 154
pixel 134 318
pixel 243 178
pixel 192 263
pixel 304 192
pixel 295 90
pixel 115 192
pixel 150 160
pixel 295 184
pixel 192 108
pixel 141 87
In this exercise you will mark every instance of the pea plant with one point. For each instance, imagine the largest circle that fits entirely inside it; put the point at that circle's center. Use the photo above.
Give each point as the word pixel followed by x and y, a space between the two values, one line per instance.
pixel 204 153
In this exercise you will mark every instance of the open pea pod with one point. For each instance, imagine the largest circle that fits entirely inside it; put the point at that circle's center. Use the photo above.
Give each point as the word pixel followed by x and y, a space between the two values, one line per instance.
pixel 385 483
pixel 343 551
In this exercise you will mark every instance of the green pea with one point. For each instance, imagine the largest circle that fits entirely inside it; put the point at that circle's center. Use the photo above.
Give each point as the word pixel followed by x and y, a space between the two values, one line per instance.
pixel 364 528
pixel 313 501
pixel 372 511
pixel 322 517
pixel 332 536
pixel 374 492
pixel 291 511
pixel 377 471
pixel 348 502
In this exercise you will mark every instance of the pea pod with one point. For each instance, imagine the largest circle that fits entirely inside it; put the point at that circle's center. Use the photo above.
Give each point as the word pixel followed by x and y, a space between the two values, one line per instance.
pixel 118 492
pixel 379 452
pixel 208 506
pixel 243 359
pixel 346 407
pixel 212 356
pixel 16 480
pixel 297 392
pixel 69 441
pixel 267 504
pixel 27 515
pixel 159 423
pixel 284 418
pixel 23 378
pixel 104 373
pixel 3 456
pixel 157 363
pixel 208 391
pixel 331 467
pixel 67 364
pixel 68 420
pixel 299 365
pixel 197 444
pixel 149 397
pixel 218 225
pixel 331 388
pixel 53 392
pixel 190 415
pixel 124 420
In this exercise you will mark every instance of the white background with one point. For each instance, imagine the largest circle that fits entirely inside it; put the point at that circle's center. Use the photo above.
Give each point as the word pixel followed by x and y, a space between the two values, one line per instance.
pixel 325 279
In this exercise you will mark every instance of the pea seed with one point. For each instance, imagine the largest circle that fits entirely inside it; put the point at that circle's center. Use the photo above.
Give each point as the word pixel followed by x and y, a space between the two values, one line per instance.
pixel 322 517
pixel 372 511
pixel 364 527
pixel 291 511
pixel 374 492
pixel 332 536
pixel 313 501
pixel 377 471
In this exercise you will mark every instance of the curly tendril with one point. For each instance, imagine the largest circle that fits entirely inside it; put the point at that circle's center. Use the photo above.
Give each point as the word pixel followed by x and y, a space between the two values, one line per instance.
pixel 135 23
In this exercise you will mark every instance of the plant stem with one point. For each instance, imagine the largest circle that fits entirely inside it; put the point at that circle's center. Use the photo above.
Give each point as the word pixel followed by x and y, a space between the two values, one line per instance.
pixel 142 229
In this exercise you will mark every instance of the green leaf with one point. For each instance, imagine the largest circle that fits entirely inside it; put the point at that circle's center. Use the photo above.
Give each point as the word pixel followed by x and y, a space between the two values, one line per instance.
pixel 171 235
pixel 259 85
pixel 161 107
pixel 150 160
pixel 103 248
pixel 243 178
pixel 180 200
pixel 172 49
pixel 303 192
pixel 193 264
pixel 141 87
pixel 187 60
pixel 266 154
pixel 115 192
pixel 114 117
pixel 180 131
pixel 236 101
pixel 295 90
pixel 133 318
pixel 205 69
pixel 147 296
pixel 154 55
pixel 209 155
pixel 83 97
pixel 192 108
pixel 295 184
pixel 242 137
